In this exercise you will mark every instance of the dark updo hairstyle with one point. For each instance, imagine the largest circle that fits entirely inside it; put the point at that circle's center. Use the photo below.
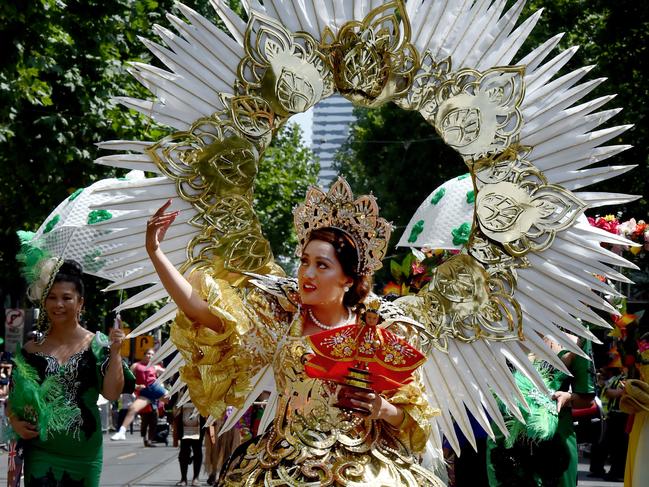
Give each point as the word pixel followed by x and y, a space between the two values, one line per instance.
pixel 347 255
pixel 71 271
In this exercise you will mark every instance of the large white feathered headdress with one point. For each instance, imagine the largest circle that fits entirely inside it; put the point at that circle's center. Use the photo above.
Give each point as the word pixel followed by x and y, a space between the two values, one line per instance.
pixel 524 133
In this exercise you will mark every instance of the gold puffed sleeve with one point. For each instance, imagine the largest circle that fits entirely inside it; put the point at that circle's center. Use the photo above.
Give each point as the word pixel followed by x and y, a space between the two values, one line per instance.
pixel 220 364
pixel 416 427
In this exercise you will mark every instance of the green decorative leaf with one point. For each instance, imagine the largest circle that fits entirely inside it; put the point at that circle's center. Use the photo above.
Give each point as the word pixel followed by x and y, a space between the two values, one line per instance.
pixel 461 234
pixel 463 176
pixel 395 269
pixel 470 197
pixel 76 194
pixel 406 265
pixel 416 231
pixel 97 216
pixel 51 224
pixel 439 194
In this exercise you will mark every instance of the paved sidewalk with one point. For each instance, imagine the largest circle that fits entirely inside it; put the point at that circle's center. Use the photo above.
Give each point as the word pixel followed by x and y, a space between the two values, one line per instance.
pixel 129 464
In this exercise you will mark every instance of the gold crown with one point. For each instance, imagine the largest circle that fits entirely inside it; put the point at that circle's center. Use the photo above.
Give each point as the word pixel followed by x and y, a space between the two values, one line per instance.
pixel 358 218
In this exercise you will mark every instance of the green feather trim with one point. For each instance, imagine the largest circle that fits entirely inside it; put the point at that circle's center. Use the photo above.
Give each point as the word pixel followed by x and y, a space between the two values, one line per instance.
pixel 542 419
pixel 29 255
pixel 44 404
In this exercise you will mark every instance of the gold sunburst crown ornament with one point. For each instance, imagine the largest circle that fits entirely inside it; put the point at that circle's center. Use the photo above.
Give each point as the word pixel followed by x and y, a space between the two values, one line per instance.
pixel 358 218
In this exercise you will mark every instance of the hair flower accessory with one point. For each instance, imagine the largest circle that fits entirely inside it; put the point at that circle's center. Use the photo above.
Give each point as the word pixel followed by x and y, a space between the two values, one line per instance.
pixel 37 266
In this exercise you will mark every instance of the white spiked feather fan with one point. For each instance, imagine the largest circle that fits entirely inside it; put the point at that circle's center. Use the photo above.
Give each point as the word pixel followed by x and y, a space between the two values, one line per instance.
pixel 555 292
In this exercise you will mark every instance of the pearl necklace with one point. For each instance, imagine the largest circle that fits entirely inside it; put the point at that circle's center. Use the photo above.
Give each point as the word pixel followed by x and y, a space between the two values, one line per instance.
pixel 318 323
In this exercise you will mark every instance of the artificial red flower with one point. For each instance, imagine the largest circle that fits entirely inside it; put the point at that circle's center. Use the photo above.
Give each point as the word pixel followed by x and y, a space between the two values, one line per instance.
pixel 643 346
pixel 417 268
pixel 608 223
pixel 639 230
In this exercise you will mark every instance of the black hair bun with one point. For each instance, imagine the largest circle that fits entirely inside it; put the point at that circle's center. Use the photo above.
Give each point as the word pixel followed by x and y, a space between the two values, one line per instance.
pixel 71 268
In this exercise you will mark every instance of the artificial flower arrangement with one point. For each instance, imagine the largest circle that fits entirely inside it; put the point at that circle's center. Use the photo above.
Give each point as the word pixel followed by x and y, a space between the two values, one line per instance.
pixel 636 231
pixel 415 270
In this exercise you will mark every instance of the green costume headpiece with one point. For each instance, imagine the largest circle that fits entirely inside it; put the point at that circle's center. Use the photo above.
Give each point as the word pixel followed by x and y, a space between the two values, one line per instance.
pixel 39 268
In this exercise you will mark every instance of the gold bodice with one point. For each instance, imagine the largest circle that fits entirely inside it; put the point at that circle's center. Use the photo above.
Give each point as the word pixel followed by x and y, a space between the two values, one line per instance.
pixel 313 442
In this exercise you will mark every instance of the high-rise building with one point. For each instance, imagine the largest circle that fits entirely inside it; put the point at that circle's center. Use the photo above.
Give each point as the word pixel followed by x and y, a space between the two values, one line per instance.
pixel 331 120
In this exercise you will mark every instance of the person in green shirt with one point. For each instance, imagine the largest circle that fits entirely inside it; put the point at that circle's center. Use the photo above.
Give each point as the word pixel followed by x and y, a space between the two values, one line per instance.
pixel 554 460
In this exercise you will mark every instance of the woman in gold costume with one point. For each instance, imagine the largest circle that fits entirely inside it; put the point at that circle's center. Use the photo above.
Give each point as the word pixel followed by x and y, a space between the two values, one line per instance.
pixel 228 330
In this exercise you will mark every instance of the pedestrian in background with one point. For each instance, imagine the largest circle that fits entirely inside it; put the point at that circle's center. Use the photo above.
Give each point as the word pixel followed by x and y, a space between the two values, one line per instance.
pixel 188 428
pixel 218 448
pixel 125 401
pixel 614 439
pixel 148 392
pixel 5 378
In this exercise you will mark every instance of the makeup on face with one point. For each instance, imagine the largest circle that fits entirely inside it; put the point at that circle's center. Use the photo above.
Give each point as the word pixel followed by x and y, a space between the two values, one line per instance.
pixel 321 278
pixel 63 302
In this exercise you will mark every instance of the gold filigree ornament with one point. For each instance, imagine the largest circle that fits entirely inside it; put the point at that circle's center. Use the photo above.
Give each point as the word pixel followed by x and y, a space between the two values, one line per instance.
pixel 421 95
pixel 253 117
pixel 211 159
pixel 518 208
pixel 373 60
pixel 468 302
pixel 286 69
pixel 478 113
pixel 232 232
pixel 359 218
pixel 214 168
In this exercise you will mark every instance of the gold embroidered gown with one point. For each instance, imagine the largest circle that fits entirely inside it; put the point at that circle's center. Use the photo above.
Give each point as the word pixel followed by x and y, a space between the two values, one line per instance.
pixel 310 442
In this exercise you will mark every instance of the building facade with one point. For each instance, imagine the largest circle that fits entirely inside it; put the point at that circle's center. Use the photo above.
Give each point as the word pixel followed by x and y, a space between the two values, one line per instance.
pixel 332 118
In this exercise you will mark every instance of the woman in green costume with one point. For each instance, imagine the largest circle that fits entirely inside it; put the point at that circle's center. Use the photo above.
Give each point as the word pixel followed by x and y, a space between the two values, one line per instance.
pixel 545 453
pixel 56 383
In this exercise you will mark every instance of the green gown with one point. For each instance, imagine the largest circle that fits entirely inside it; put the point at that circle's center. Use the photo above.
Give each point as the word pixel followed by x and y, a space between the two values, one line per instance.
pixel 70 456
pixel 553 462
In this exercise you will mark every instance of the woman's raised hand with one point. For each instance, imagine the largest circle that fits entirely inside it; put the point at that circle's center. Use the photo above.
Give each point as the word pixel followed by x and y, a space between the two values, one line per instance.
pixel 157 226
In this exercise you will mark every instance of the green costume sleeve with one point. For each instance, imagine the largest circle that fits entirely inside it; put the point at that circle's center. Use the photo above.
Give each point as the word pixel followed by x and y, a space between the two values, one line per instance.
pixel 101 350
pixel 583 371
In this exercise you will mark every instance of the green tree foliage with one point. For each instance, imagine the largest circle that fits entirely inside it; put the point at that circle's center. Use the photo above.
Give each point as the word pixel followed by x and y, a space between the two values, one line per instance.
pixel 613 36
pixel 63 62
pixel 398 156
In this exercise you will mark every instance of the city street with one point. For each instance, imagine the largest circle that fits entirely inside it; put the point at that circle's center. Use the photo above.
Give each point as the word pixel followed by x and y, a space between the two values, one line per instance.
pixel 129 464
